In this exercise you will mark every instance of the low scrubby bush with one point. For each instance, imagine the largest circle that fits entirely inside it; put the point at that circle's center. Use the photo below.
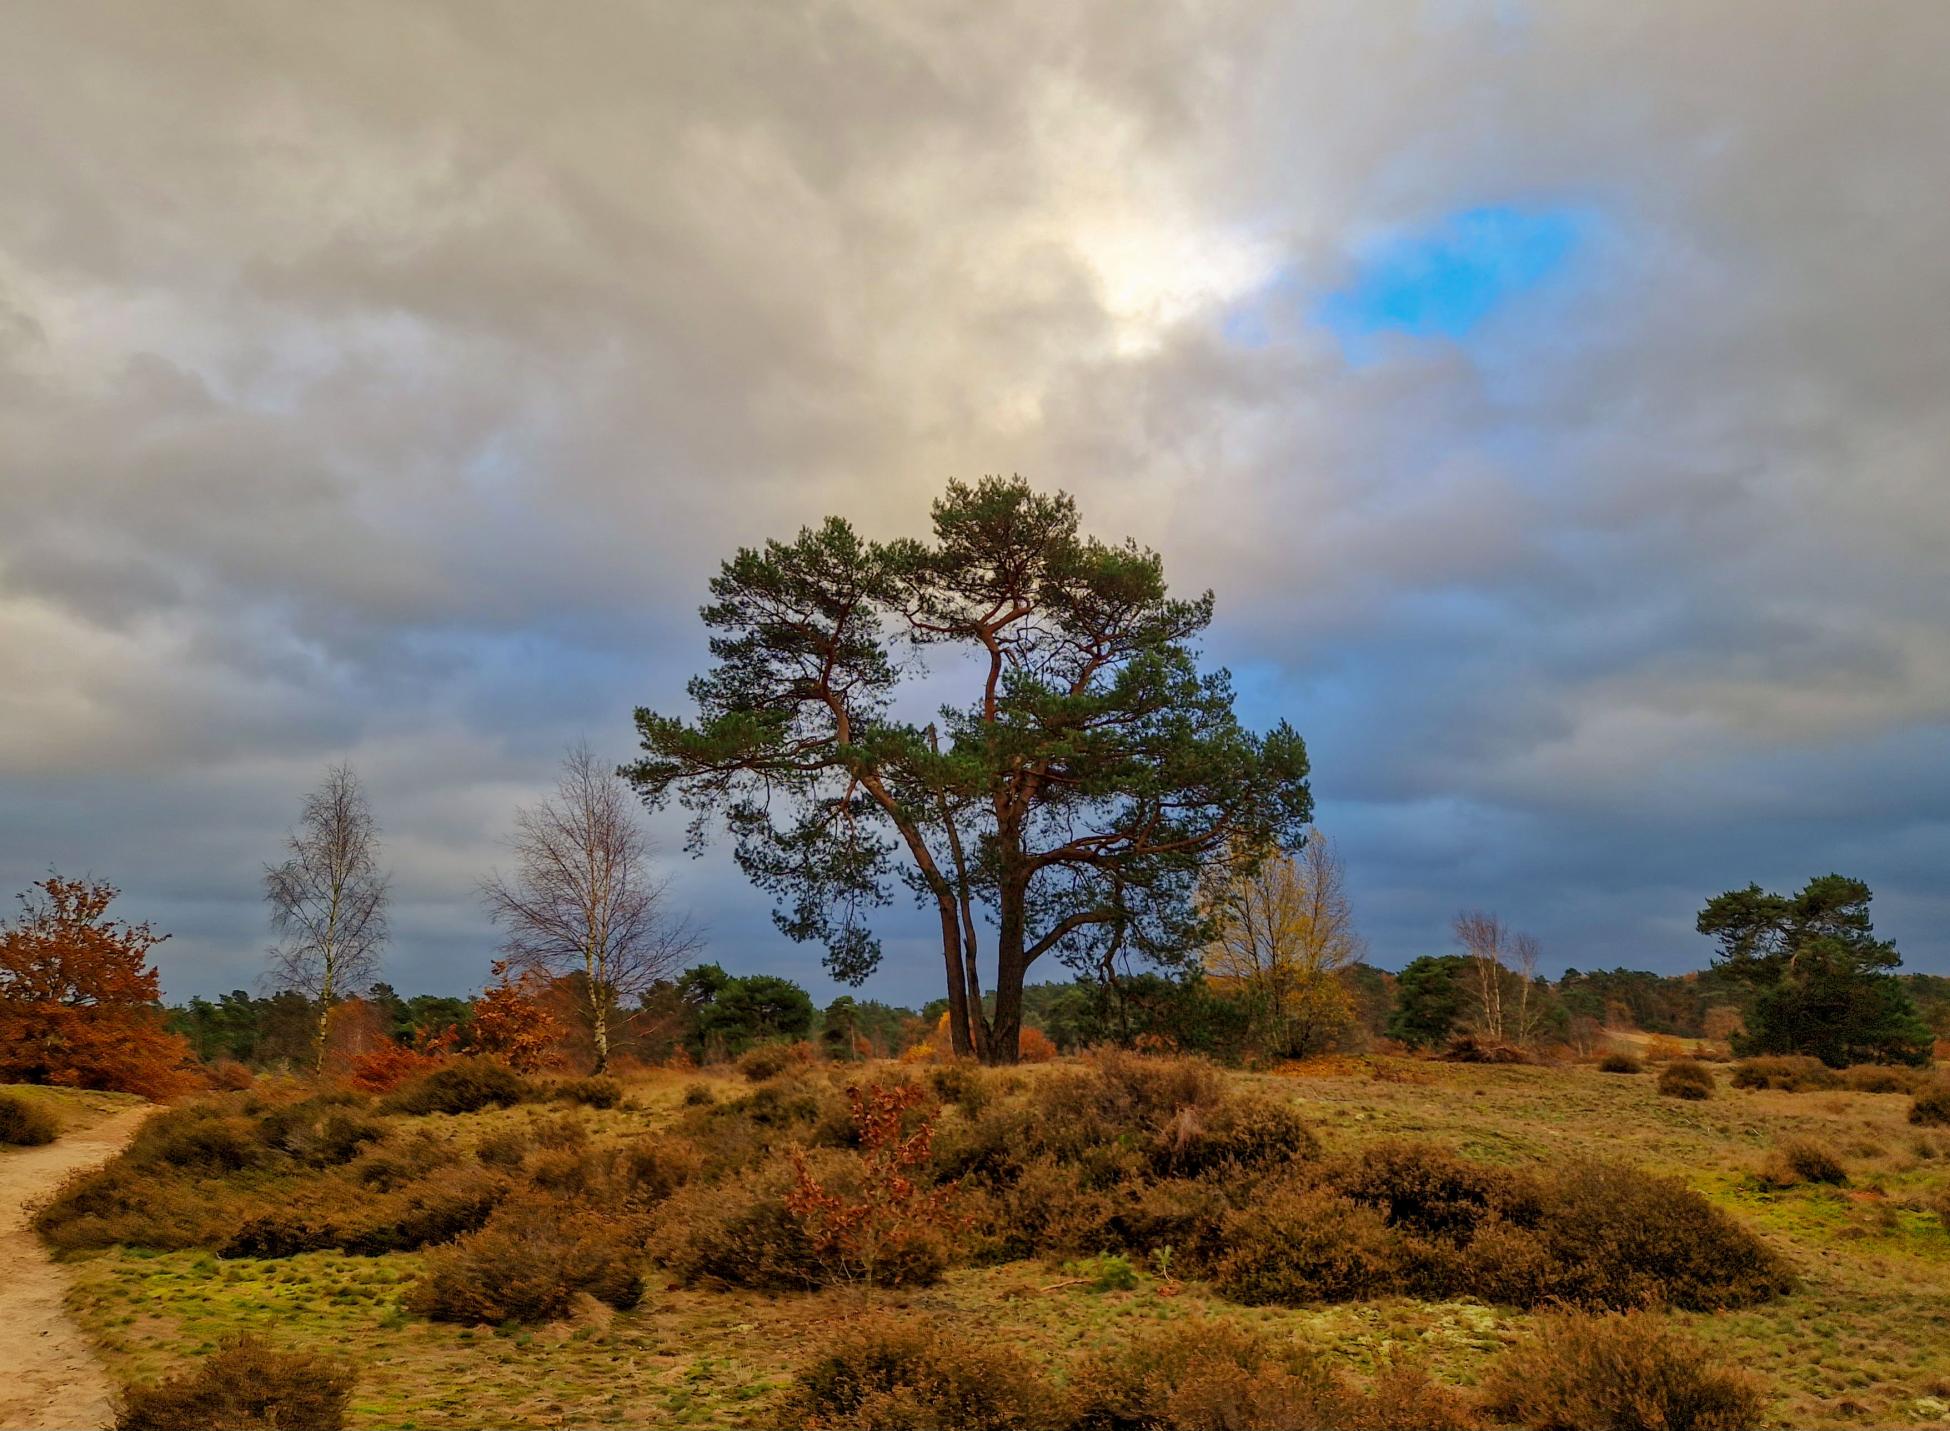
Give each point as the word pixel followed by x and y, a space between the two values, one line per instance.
pixel 1621 1371
pixel 699 1095
pixel 507 1149
pixel 655 1167
pixel 1617 1237
pixel 589 1092
pixel 528 1264
pixel 1931 1106
pixel 1411 1219
pixel 464 1086
pixel 1299 1244
pixel 1686 1078
pixel 325 1131
pixel 1208 1375
pixel 1475 1048
pixel 338 1215
pixel 126 1203
pixel 25 1123
pixel 243 1386
pixel 1791 1073
pixel 1802 1160
pixel 884 1373
pixel 1883 1078
pixel 769 1060
pixel 1620 1061
pixel 200 1138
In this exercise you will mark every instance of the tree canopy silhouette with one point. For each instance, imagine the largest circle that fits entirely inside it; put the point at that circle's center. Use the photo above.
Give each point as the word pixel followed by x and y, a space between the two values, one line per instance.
pixel 1066 803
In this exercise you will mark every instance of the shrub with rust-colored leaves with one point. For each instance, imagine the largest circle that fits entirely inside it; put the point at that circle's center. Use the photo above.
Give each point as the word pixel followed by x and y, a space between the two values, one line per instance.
pixel 511 1024
pixel 78 997
pixel 392 1064
pixel 1033 1046
pixel 858 1234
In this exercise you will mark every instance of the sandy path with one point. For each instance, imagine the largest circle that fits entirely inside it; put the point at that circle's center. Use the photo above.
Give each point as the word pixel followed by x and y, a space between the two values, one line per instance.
pixel 48 1373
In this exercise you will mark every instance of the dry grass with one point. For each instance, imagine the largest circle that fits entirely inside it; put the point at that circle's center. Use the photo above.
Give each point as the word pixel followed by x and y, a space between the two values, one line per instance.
pixel 1865 1340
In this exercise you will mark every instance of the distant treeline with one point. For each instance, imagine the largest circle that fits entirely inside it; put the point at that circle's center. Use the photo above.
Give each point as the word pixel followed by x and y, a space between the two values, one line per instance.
pixel 709 1015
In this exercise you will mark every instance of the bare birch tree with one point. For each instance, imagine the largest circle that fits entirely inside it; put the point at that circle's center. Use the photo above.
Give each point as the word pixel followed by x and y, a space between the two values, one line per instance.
pixel 1526 952
pixel 328 899
pixel 1284 931
pixel 1483 937
pixel 583 898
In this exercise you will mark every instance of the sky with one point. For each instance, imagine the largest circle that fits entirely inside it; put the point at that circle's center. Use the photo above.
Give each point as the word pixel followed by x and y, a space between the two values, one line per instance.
pixel 1556 397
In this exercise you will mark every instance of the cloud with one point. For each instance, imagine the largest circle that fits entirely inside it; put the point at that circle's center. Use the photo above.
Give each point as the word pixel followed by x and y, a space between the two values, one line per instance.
pixel 388 387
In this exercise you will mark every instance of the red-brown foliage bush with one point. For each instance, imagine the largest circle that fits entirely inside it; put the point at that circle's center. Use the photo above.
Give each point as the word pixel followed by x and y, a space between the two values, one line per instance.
pixel 1034 1046
pixel 512 1023
pixel 78 997
pixel 862 1234
pixel 389 1065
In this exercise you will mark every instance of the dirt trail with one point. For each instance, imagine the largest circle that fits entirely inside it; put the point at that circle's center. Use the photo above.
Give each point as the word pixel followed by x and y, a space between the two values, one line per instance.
pixel 50 1377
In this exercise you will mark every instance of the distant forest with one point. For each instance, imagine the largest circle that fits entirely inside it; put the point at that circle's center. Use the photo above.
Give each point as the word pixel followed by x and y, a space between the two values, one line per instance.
pixel 709 1015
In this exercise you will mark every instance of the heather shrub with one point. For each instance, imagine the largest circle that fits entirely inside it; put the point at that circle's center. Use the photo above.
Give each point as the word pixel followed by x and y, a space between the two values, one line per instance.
pixel 243 1386
pixel 1800 1160
pixel 1473 1048
pixel 325 1131
pixel 1244 1131
pixel 1931 1106
pixel 1686 1078
pixel 128 1204
pixel 1209 1375
pixel 884 1373
pixel 25 1123
pixel 1295 1244
pixel 199 1138
pixel 736 1233
pixel 655 1167
pixel 1620 1061
pixel 1619 1237
pixel 769 1060
pixel 466 1085
pixel 338 1214
pixel 967 1085
pixel 699 1095
pixel 506 1149
pixel 589 1092
pixel 1790 1072
pixel 1620 1371
pixel 528 1264
pixel 1883 1078
pixel 556 1134
pixel 1428 1189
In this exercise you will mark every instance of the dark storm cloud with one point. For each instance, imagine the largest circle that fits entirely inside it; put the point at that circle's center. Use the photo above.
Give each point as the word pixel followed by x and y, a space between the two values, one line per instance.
pixel 386 383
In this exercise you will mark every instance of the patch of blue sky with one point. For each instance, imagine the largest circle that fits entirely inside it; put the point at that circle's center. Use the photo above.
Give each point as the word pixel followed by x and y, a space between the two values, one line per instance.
pixel 1446 280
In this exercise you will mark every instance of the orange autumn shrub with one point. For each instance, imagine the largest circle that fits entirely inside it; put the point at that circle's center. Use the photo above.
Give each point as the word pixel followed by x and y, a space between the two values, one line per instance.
pixel 391 1064
pixel 79 1000
pixel 1034 1047
pixel 512 1024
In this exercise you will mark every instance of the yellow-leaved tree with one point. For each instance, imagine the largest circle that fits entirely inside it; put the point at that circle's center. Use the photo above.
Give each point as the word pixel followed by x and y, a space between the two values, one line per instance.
pixel 1283 933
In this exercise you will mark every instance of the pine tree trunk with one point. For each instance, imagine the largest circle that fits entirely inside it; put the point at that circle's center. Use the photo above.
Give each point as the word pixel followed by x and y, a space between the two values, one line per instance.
pixel 958 1032
pixel 1005 1032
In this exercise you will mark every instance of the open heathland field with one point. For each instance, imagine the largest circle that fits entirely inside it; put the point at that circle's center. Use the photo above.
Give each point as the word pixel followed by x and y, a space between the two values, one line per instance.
pixel 1108 1241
